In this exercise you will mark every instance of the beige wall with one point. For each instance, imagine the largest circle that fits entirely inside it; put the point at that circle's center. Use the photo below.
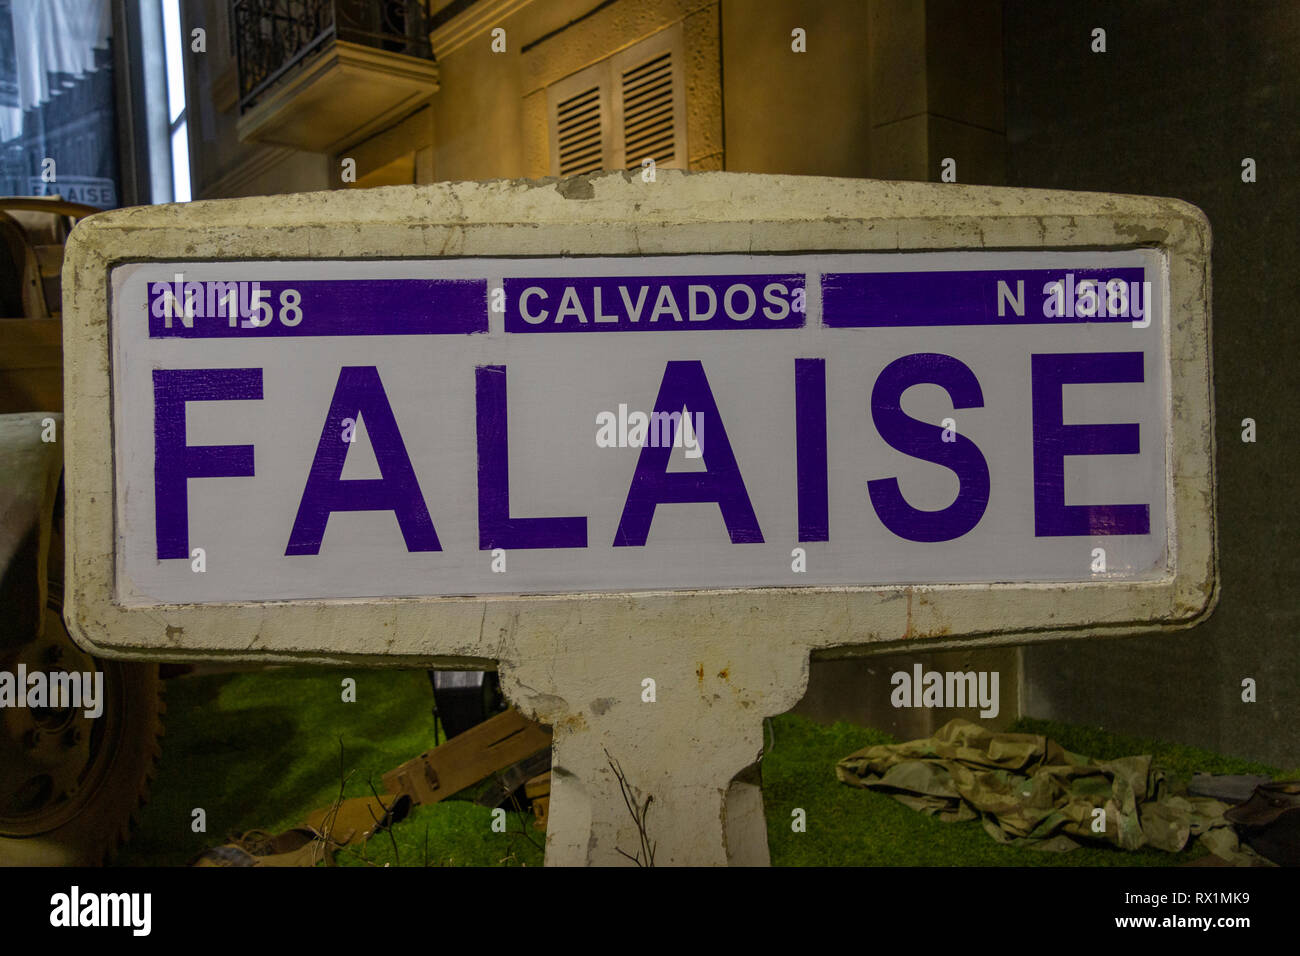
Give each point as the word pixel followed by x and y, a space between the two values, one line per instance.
pixel 787 112
pixel 490 116
pixel 477 119
pixel 886 88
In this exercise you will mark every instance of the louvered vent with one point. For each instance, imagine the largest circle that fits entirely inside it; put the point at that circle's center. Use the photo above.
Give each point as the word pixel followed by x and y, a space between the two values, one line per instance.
pixel 578 128
pixel 648 112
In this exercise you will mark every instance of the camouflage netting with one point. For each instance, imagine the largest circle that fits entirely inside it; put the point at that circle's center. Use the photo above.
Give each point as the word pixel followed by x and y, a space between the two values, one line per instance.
pixel 1030 791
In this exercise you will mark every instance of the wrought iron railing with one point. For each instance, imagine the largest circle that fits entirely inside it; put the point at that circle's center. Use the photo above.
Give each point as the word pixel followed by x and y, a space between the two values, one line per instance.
pixel 274 37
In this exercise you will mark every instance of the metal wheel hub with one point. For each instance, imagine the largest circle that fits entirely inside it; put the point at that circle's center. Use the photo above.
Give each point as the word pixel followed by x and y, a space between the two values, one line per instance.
pixel 51 758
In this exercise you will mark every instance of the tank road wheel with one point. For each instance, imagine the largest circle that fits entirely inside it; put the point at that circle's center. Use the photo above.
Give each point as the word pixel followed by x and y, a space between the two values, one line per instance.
pixel 71 786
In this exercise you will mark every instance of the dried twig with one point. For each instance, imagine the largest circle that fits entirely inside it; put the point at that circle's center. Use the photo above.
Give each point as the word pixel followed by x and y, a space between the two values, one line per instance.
pixel 397 860
pixel 646 855
pixel 323 840
pixel 523 828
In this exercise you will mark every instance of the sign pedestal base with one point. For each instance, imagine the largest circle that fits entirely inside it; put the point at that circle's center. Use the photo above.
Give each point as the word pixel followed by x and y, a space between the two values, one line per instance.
pixel 686 742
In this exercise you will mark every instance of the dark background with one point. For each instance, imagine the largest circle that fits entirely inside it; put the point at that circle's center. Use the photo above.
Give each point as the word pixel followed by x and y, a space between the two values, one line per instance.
pixel 1184 92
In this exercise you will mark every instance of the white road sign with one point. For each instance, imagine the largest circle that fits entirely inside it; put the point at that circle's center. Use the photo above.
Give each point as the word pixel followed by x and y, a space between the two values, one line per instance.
pixel 459 422
pixel 359 429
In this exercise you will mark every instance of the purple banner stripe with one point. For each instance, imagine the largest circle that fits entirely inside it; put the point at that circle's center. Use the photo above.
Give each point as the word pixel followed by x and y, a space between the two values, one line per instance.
pixel 891 299
pixel 230 310
pixel 655 303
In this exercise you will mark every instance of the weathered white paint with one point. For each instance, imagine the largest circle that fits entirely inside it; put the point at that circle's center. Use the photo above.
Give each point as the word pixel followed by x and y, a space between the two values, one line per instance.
pixel 722 659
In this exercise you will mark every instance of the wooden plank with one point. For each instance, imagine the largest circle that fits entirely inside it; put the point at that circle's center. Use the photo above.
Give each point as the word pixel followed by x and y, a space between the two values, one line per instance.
pixel 31 365
pixel 468 757
pixel 538 790
pixel 538 786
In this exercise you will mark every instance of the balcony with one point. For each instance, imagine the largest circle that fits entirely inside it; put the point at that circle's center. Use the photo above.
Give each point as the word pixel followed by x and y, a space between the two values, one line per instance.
pixel 319 75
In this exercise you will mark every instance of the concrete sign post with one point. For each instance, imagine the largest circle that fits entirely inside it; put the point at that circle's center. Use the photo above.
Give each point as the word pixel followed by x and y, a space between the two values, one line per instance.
pixel 644 445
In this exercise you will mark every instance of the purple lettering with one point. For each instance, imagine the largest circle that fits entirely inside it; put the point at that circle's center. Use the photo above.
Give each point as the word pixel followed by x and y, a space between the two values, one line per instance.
pixel 496 528
pixel 810 448
pixel 685 385
pixel 1054 440
pixel 925 441
pixel 359 393
pixel 175 462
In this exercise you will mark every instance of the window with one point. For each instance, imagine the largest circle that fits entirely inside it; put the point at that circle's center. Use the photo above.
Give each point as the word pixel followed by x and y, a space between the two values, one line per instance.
pixel 627 108
pixel 174 42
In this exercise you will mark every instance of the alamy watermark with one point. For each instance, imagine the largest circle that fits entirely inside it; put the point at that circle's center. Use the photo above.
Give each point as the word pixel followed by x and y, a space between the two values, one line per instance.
pixel 57 690
pixel 657 430
pixel 75 908
pixel 1092 298
pixel 947 689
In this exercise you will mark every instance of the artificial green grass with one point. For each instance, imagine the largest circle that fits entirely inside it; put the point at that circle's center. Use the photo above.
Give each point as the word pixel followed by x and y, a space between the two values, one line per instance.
pixel 262 749
pixel 452 833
